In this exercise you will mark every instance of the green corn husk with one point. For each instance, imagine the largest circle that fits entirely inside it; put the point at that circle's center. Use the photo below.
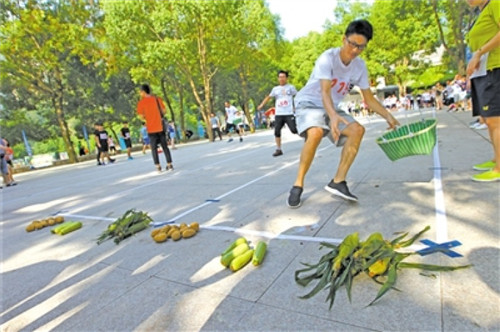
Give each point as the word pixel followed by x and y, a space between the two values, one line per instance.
pixel 344 262
pixel 130 223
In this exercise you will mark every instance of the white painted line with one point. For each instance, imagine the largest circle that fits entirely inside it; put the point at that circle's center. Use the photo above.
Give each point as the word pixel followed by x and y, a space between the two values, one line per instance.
pixel 185 213
pixel 441 220
pixel 251 232
pixel 80 216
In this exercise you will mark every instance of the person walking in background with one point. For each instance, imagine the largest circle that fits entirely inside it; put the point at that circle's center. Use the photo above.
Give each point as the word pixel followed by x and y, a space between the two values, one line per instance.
pixel 171 134
pixel 102 143
pixel 215 124
pixel 125 132
pixel 9 157
pixel 151 109
pixel 240 123
pixel 318 114
pixel 111 144
pixel 484 73
pixel 438 91
pixel 283 95
pixel 96 141
pixel 4 169
pixel 231 112
pixel 145 138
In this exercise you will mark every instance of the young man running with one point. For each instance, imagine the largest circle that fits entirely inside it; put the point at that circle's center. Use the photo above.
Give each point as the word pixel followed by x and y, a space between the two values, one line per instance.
pixel 318 114
pixel 230 117
pixel 283 95
pixel 125 131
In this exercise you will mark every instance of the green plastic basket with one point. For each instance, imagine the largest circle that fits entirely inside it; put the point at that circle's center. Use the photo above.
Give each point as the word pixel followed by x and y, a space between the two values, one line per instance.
pixel 409 140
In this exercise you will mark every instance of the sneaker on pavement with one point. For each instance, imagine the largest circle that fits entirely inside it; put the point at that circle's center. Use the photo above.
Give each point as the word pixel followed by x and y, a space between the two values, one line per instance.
pixel 488 176
pixel 170 168
pixel 481 126
pixel 241 139
pixel 486 166
pixel 340 189
pixel 473 123
pixel 130 158
pixel 230 140
pixel 112 160
pixel 293 200
pixel 277 153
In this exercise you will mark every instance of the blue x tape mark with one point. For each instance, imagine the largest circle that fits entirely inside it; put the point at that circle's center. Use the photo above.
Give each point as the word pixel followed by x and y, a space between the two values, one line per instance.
pixel 440 247
pixel 213 200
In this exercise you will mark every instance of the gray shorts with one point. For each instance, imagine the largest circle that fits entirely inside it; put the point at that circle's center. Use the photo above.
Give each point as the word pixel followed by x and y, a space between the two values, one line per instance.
pixel 309 116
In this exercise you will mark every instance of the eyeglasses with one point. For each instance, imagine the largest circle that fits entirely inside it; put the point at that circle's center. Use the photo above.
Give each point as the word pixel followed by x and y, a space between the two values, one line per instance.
pixel 356 45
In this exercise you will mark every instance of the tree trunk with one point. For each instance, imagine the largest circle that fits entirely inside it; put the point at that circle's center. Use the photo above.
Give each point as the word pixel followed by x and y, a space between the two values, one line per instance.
pixel 63 125
pixel 183 118
pixel 167 100
pixel 207 109
pixel 244 91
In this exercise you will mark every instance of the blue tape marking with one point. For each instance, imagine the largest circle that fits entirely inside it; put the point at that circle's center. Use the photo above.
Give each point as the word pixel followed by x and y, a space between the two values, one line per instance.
pixel 213 200
pixel 440 247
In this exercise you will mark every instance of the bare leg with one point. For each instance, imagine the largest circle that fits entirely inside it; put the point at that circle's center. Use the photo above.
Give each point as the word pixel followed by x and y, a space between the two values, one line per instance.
pixel 494 129
pixel 314 136
pixel 278 142
pixel 354 133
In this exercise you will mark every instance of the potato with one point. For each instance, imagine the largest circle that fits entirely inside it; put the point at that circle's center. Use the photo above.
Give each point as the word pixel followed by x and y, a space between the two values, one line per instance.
pixel 160 237
pixel 195 226
pixel 188 232
pixel 59 219
pixel 169 234
pixel 156 231
pixel 176 235
pixel 30 227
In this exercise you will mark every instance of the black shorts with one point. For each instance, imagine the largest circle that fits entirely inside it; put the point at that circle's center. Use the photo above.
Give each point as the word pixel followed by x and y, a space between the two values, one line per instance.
pixel 280 121
pixel 128 143
pixel 230 126
pixel 104 148
pixel 485 96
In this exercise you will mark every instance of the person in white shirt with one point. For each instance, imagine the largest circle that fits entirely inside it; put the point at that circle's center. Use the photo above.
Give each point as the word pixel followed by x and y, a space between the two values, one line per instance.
pixel 317 113
pixel 231 112
pixel 283 95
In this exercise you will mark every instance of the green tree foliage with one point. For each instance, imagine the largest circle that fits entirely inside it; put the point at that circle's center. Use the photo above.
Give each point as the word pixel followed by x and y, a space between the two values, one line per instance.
pixel 190 40
pixel 452 19
pixel 39 43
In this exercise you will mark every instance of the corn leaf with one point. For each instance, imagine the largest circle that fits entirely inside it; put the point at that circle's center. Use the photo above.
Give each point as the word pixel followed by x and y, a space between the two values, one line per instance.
pixel 389 283
pixel 430 267
pixel 409 242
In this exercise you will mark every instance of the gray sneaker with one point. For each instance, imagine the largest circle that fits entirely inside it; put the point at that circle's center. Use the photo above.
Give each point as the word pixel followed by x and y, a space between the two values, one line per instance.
pixel 340 189
pixel 293 200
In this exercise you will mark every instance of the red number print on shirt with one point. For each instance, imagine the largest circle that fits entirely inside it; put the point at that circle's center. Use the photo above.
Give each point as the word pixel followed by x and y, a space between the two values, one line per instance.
pixel 343 86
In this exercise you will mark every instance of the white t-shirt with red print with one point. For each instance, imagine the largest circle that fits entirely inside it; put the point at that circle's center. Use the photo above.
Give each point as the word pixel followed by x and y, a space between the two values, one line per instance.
pixel 284 98
pixel 330 67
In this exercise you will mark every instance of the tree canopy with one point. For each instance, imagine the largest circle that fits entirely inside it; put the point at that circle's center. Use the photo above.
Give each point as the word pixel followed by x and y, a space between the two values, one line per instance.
pixel 68 63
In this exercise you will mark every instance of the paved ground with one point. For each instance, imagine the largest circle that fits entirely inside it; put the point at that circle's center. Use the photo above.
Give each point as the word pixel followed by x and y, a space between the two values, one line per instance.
pixel 70 284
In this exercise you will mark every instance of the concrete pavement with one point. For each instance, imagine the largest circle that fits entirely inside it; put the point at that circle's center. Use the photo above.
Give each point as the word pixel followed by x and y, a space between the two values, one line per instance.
pixel 69 283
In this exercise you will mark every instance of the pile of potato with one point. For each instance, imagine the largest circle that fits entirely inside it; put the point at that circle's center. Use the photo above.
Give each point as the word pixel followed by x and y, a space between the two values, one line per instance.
pixel 175 232
pixel 39 224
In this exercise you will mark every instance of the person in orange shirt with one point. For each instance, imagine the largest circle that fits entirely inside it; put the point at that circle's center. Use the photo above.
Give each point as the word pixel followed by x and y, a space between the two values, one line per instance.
pixel 151 109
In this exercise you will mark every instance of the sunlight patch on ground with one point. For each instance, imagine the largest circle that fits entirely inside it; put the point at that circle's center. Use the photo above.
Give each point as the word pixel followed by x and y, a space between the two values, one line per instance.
pixel 150 264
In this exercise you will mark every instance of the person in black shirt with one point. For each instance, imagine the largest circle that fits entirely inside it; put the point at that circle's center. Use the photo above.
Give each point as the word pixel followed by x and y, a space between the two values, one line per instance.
pixel 125 131
pixel 102 143
pixel 96 139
